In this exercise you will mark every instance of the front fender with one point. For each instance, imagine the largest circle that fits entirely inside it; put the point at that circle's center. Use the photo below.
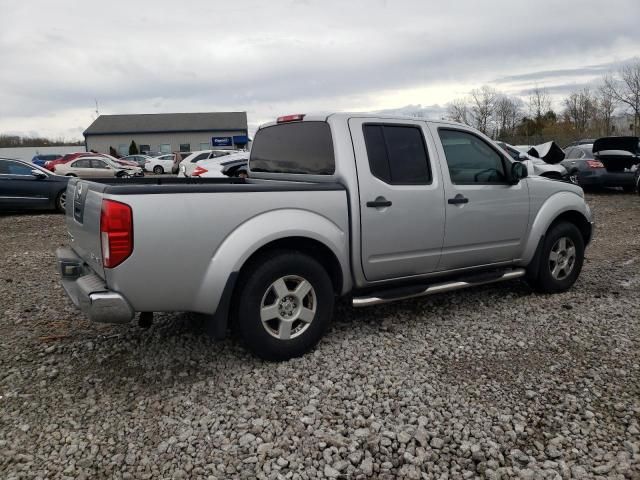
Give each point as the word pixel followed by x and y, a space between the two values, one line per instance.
pixel 259 231
pixel 551 209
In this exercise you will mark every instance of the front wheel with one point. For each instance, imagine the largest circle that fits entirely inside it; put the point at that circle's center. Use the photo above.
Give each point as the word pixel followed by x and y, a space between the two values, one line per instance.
pixel 561 259
pixel 158 170
pixel 284 306
pixel 61 201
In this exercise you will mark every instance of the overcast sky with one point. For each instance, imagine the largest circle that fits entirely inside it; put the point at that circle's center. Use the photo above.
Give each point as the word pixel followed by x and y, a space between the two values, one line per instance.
pixel 276 57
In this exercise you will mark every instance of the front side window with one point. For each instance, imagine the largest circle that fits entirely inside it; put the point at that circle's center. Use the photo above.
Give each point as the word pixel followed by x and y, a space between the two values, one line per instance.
pixel 14 168
pixel 470 159
pixel 297 148
pixel 397 154
pixel 98 164
pixel 202 156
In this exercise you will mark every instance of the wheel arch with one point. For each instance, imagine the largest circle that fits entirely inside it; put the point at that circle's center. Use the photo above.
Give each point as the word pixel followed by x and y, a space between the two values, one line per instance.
pixel 562 206
pixel 293 229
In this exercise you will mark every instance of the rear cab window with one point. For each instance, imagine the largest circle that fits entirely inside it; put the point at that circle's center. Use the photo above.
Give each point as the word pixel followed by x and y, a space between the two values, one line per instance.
pixel 298 148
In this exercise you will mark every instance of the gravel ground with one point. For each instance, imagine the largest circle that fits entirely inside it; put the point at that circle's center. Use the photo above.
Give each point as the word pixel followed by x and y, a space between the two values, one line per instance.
pixel 495 382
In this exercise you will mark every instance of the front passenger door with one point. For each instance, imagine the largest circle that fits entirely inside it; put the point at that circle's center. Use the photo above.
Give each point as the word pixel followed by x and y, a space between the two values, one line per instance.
pixel 486 216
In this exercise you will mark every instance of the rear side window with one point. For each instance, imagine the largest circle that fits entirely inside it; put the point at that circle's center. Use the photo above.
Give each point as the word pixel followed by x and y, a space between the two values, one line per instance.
pixel 397 154
pixel 202 156
pixel 301 147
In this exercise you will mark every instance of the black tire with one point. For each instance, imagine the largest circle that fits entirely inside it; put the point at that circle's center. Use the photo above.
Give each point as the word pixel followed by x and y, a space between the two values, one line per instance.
pixel 61 200
pixel 629 189
pixel 573 177
pixel 158 170
pixel 544 280
pixel 255 291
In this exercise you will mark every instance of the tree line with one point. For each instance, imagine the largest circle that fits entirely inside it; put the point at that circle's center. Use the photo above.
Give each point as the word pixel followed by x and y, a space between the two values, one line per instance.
pixel 16 141
pixel 585 113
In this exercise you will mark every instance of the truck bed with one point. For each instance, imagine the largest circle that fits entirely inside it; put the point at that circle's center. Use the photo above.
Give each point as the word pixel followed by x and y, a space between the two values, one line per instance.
pixel 189 234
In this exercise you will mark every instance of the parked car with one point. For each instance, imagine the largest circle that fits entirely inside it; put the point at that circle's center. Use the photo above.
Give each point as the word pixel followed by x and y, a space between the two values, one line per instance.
pixel 138 159
pixel 188 165
pixel 161 164
pixel 41 159
pixel 583 141
pixel 25 186
pixel 234 165
pixel 373 207
pixel 51 164
pixel 608 162
pixel 88 167
pixel 535 166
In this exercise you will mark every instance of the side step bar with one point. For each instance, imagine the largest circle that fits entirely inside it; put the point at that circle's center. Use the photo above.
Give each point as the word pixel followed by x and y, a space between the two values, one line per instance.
pixel 439 288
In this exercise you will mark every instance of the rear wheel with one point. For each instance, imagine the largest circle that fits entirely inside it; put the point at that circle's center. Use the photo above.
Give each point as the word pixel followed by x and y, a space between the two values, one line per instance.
pixel 158 170
pixel 560 259
pixel 284 306
pixel 61 201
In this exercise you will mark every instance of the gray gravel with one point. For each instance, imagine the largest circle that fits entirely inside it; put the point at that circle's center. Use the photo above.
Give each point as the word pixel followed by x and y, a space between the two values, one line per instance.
pixel 496 382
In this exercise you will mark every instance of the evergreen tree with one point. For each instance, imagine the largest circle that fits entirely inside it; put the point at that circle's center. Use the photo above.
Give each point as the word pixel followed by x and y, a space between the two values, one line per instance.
pixel 133 148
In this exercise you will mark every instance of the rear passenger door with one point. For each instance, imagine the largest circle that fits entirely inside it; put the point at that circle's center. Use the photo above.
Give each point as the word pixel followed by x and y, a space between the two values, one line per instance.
pixel 487 217
pixel 401 198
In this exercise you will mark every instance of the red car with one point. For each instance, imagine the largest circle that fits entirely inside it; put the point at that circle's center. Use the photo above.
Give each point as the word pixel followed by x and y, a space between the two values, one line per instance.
pixel 51 165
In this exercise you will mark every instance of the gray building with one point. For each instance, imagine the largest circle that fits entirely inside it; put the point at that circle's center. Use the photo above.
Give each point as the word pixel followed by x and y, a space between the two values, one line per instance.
pixel 168 132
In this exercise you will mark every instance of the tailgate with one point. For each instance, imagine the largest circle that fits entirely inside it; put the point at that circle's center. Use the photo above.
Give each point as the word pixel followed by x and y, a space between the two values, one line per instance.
pixel 84 204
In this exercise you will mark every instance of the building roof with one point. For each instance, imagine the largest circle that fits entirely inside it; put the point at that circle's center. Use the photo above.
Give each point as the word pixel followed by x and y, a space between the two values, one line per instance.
pixel 168 122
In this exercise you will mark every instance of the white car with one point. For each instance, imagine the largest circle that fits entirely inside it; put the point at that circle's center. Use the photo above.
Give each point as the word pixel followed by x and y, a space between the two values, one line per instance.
pixel 161 164
pixel 535 166
pixel 188 165
pixel 233 165
pixel 87 167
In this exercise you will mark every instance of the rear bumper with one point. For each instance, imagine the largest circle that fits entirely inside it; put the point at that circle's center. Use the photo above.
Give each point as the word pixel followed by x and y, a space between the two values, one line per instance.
pixel 603 178
pixel 89 293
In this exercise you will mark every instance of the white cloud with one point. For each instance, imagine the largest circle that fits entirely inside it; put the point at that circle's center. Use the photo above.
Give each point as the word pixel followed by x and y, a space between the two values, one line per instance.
pixel 276 57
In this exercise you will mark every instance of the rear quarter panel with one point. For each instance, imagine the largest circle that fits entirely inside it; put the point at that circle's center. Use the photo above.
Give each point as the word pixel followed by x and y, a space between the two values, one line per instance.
pixel 187 245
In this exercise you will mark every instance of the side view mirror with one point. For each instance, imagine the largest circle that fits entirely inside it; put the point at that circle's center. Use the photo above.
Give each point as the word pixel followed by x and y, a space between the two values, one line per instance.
pixel 518 172
pixel 523 156
pixel 38 174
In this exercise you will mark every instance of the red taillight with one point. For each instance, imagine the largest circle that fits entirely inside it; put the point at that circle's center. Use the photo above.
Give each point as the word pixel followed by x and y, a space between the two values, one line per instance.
pixel 291 118
pixel 595 164
pixel 199 171
pixel 116 232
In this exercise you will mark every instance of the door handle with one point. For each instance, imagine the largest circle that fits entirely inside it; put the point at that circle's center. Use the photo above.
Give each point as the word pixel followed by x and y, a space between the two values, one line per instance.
pixel 379 203
pixel 458 200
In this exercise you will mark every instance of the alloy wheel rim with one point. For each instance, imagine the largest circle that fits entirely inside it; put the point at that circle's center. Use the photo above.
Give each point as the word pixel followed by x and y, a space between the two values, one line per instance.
pixel 288 307
pixel 562 258
pixel 63 200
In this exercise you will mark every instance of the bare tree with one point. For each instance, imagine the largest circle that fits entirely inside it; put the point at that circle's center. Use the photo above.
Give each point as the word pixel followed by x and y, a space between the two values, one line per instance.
pixel 483 101
pixel 606 105
pixel 580 108
pixel 626 90
pixel 539 103
pixel 507 114
pixel 458 111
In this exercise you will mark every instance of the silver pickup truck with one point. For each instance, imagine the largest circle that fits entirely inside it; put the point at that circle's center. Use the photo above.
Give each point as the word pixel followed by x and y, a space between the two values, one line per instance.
pixel 371 207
